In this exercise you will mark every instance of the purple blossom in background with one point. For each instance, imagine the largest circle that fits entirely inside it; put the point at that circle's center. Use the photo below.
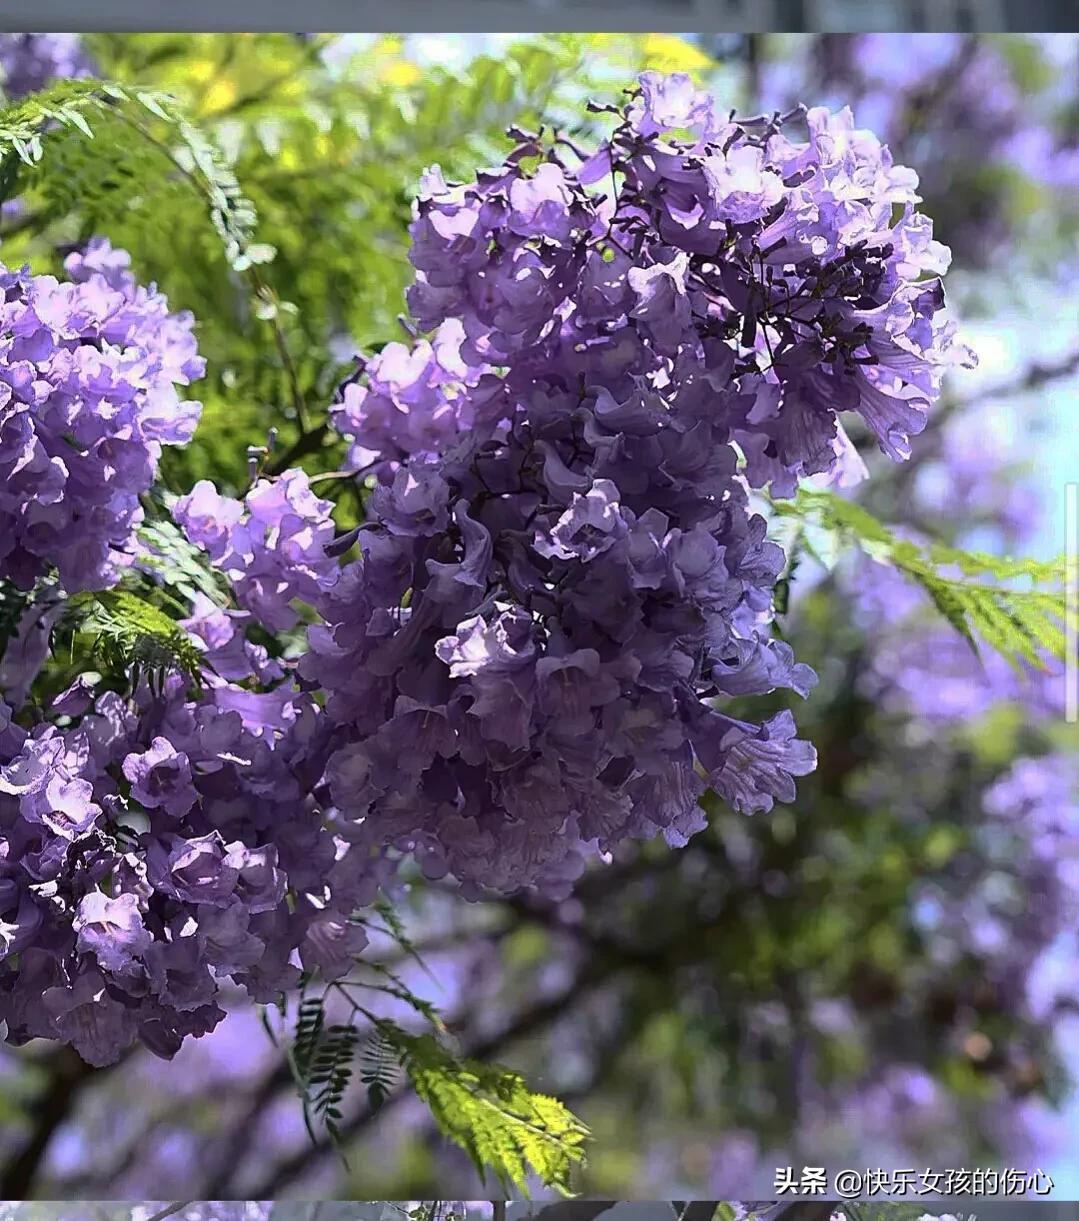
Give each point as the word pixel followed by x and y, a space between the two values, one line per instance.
pixel 976 479
pixel 955 106
pixel 524 659
pixel 896 1118
pixel 29 62
pixel 229 654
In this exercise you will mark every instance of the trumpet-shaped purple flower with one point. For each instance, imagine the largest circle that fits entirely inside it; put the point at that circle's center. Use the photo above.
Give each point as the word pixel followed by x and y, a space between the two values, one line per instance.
pixel 560 581
pixel 112 930
pixel 89 371
pixel 161 778
pixel 272 547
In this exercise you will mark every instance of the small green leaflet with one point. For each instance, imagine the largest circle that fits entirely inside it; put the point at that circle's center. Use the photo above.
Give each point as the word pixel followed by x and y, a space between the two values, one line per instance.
pixel 178 563
pixel 486 1109
pixel 1015 606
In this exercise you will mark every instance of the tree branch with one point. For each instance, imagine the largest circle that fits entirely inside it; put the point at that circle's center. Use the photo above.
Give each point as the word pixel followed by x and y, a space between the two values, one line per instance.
pixel 69 1075
pixel 169 1210
pixel 818 1210
pixel 306 443
pixel 574 1210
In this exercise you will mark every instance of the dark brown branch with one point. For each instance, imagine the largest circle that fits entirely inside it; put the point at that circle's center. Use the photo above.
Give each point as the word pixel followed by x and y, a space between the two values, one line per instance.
pixel 68 1075
pixel 1037 374
pixel 309 442
pixel 223 1155
pixel 170 1209
pixel 698 1210
pixel 574 1210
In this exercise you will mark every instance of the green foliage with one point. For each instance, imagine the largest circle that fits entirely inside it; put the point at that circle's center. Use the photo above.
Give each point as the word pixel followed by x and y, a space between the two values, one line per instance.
pixel 380 1069
pixel 13 603
pixel 321 1061
pixel 329 158
pixel 310 1023
pixel 1022 620
pixel 328 161
pixel 104 179
pixel 330 1074
pixel 177 563
pixel 129 634
pixel 490 1112
pixel 122 634
pixel 486 1109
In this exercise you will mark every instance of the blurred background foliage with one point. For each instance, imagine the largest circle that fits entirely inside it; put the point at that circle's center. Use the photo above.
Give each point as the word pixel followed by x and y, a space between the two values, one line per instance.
pixel 882 974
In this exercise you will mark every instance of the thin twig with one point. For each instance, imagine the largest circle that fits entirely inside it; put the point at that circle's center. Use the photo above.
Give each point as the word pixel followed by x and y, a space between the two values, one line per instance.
pixel 169 1210
pixel 306 443
pixel 1037 374
pixel 262 291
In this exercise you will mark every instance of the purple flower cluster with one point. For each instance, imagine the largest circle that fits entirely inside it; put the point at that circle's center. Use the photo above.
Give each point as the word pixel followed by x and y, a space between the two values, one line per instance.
pixel 151 851
pixel 154 849
pixel 272 547
pixel 952 103
pixel 560 580
pixel 560 577
pixel 410 400
pixel 89 370
pixel 29 62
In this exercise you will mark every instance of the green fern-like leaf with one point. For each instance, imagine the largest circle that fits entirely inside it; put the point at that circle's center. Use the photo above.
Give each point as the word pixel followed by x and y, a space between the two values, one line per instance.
pixel 1015 606
pixel 177 563
pixel 128 633
pixel 380 1069
pixel 104 148
pixel 490 1112
pixel 395 927
pixel 331 1074
pixel 310 1022
pixel 13 604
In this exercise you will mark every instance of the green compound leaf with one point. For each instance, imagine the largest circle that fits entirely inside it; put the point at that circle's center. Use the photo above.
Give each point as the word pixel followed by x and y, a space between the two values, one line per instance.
pixel 486 1109
pixel 102 148
pixel 1015 606
pixel 130 633
pixel 490 1112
